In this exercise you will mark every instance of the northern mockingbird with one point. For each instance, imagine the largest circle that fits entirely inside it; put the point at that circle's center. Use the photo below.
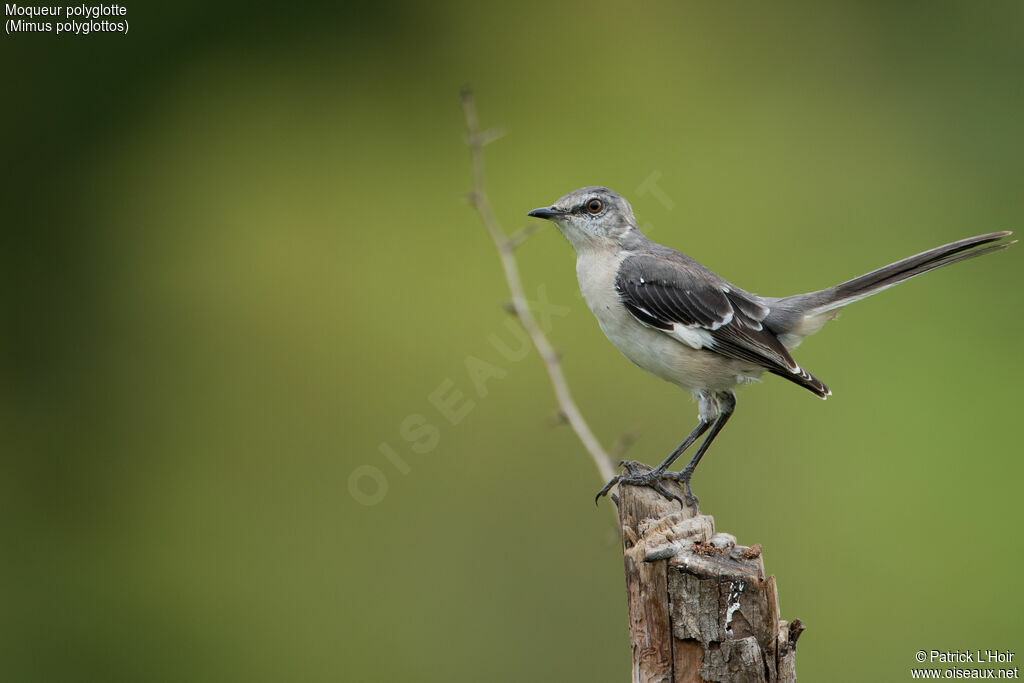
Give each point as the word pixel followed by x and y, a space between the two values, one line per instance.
pixel 680 322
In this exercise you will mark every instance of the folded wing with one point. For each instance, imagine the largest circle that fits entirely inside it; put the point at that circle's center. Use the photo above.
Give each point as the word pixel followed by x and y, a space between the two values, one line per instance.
pixel 688 302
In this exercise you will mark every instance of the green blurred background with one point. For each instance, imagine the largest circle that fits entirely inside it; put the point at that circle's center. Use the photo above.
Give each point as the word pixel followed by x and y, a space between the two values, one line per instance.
pixel 237 258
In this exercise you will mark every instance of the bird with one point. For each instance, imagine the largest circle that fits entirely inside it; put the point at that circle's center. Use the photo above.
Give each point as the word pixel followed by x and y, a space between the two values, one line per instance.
pixel 681 322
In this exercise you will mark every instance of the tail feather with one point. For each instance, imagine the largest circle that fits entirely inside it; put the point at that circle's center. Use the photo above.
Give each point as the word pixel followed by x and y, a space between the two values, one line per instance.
pixel 805 379
pixel 895 273
pixel 803 314
pixel 792 318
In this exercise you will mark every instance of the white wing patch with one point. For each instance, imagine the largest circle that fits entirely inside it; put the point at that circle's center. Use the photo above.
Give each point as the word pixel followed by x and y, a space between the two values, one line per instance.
pixel 728 319
pixel 695 337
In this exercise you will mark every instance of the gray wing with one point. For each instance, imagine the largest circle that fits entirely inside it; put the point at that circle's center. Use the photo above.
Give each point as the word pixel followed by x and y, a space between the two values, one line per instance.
pixel 692 304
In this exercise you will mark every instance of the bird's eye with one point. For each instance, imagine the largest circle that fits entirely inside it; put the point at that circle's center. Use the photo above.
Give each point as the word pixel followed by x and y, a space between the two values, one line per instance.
pixel 594 206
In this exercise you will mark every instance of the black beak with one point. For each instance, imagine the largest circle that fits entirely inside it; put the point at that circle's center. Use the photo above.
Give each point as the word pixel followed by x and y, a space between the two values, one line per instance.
pixel 547 212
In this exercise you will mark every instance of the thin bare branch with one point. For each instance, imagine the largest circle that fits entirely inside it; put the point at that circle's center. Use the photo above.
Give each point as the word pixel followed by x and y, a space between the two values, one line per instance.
pixel 505 246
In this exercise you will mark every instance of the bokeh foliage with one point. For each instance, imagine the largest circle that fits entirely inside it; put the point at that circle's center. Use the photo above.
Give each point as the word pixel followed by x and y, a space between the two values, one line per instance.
pixel 236 258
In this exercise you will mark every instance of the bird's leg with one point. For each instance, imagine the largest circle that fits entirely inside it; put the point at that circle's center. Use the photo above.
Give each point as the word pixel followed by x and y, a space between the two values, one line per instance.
pixel 653 478
pixel 726 404
pixel 716 409
pixel 701 427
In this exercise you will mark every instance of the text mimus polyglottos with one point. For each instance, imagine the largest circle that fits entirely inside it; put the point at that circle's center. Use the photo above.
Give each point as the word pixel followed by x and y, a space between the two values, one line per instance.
pixel 680 322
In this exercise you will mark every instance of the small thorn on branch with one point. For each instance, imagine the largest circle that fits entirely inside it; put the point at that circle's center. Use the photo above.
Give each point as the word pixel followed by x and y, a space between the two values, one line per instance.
pixel 621 445
pixel 485 137
pixel 519 236
pixel 559 418
pixel 553 356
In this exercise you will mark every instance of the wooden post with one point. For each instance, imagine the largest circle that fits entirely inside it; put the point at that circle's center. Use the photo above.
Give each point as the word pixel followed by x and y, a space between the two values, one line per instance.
pixel 700 607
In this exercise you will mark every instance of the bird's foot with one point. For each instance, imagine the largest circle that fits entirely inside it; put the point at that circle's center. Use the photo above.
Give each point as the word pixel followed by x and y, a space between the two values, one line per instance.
pixel 634 476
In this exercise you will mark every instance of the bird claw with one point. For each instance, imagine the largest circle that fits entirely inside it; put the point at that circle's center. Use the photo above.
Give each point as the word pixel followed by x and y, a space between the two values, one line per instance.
pixel 652 479
pixel 607 487
pixel 630 467
pixel 656 485
pixel 684 479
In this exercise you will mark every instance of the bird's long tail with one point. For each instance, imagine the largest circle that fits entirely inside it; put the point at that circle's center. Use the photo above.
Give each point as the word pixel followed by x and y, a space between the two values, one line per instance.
pixel 796 317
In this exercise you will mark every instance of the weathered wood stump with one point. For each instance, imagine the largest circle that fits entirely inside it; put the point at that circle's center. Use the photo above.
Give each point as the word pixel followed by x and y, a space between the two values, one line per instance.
pixel 700 607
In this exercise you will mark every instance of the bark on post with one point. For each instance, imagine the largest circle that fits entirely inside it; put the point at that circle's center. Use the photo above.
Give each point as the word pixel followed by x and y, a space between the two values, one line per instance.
pixel 700 607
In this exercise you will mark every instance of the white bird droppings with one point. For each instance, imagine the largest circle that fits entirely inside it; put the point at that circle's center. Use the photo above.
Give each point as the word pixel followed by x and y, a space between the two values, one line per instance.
pixel 735 588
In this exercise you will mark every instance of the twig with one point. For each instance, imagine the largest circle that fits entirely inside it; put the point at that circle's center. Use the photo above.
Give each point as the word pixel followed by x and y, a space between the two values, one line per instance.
pixel 506 247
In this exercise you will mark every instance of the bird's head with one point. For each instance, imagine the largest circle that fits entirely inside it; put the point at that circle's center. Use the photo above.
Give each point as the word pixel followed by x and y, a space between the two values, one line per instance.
pixel 590 216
